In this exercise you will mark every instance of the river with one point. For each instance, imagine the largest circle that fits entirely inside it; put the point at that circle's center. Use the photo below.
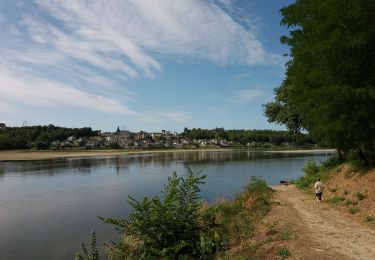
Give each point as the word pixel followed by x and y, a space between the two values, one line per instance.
pixel 48 208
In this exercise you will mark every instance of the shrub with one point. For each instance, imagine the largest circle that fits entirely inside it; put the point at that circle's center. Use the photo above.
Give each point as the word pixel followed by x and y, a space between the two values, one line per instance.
pixel 336 199
pixel 312 172
pixel 360 196
pixel 346 192
pixel 237 218
pixel 94 255
pixel 171 226
pixel 178 226
pixel 370 219
pixel 353 210
pixel 283 252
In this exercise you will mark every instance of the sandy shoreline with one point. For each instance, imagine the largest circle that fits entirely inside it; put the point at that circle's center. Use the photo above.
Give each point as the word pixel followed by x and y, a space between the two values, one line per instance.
pixel 31 155
pixel 306 151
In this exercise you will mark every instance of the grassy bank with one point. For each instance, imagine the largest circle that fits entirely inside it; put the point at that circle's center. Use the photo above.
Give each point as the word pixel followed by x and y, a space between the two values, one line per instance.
pixel 349 187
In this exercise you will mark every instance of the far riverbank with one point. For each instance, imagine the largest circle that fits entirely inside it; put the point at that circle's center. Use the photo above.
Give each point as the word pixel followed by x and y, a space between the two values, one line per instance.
pixel 32 155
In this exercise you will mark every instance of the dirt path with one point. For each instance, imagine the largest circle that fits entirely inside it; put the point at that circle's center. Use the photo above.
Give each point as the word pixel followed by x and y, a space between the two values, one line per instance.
pixel 333 236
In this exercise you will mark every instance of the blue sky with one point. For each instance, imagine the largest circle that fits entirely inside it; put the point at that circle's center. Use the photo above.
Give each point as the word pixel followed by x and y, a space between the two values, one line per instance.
pixel 145 64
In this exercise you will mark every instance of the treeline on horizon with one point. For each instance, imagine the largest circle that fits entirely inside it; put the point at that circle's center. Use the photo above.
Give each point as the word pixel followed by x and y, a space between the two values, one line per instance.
pixel 39 137
pixel 244 137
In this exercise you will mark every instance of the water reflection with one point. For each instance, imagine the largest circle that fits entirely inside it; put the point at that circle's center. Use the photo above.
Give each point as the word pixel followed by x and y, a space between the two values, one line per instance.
pixel 120 163
pixel 47 208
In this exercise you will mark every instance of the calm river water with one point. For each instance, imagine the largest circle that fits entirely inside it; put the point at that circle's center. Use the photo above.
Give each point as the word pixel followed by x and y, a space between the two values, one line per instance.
pixel 48 208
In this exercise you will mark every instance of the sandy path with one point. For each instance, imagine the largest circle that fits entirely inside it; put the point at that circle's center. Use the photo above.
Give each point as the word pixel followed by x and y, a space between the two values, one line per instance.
pixel 334 233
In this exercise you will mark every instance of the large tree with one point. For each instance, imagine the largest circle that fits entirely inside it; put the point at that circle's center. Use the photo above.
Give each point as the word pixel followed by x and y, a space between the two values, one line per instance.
pixel 330 79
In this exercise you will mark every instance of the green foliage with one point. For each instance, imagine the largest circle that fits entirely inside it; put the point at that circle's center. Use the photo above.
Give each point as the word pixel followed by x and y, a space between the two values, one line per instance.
pixel 171 226
pixel 283 252
pixel 360 196
pixel 286 233
pixel 370 219
pixel 353 210
pixel 333 98
pixel 282 112
pixel 336 199
pixel 39 137
pixel 94 255
pixel 239 216
pixel 179 226
pixel 247 136
pixel 313 171
pixel 259 187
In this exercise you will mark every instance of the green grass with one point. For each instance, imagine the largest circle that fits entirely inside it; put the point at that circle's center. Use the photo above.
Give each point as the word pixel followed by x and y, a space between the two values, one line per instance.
pixel 286 233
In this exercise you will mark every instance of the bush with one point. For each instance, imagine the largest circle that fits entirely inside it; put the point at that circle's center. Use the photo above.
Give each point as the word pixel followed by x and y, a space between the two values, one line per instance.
pixel 360 196
pixel 237 218
pixel 353 210
pixel 370 219
pixel 179 226
pixel 283 252
pixel 312 172
pixel 94 255
pixel 171 226
pixel 336 199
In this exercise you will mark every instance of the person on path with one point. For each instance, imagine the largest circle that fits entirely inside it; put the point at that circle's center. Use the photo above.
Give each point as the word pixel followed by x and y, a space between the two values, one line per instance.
pixel 318 187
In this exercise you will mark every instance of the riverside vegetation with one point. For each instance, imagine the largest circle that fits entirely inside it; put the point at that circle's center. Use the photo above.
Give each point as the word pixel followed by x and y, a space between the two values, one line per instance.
pixel 329 86
pixel 179 225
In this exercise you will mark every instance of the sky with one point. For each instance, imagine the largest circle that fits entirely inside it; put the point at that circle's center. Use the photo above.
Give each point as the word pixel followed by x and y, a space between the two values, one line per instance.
pixel 140 64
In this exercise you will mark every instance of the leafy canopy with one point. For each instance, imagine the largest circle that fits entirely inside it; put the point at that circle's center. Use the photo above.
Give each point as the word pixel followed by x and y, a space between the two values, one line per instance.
pixel 330 80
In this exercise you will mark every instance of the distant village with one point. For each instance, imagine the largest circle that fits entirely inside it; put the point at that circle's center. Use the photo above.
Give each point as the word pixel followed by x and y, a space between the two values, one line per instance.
pixel 55 137
pixel 123 139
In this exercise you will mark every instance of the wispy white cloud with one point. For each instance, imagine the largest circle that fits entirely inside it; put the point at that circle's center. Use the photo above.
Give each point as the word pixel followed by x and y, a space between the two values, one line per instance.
pixel 125 35
pixel 73 53
pixel 34 91
pixel 162 116
pixel 246 95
